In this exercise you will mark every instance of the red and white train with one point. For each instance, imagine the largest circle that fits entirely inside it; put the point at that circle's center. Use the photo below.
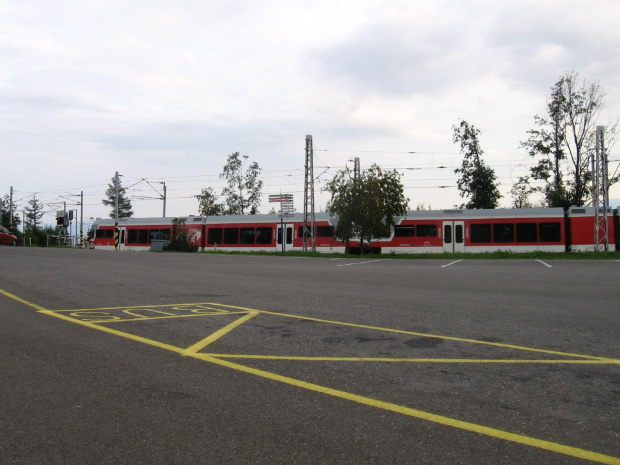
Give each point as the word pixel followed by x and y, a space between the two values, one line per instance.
pixel 516 230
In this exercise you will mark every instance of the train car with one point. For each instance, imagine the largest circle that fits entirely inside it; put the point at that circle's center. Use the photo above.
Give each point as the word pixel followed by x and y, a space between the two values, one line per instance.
pixel 582 227
pixel 268 233
pixel 516 230
pixel 135 234
pixel 227 233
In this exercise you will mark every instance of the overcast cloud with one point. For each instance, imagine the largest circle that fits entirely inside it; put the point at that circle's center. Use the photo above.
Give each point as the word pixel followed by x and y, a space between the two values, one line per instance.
pixel 167 90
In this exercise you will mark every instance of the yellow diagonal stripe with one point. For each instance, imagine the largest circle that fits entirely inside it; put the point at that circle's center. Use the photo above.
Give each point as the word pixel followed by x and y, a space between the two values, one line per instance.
pixel 218 334
pixel 496 433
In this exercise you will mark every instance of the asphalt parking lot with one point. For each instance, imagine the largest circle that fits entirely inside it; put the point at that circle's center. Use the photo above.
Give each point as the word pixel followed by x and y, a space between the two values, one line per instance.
pixel 126 357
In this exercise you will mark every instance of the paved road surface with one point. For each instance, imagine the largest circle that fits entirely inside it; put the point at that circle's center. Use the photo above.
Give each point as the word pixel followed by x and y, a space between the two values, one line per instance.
pixel 128 357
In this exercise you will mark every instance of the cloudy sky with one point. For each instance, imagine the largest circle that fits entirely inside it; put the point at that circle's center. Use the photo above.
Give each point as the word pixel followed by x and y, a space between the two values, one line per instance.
pixel 163 92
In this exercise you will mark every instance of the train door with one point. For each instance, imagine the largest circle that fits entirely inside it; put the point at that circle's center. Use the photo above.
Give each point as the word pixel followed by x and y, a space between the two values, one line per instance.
pixel 288 237
pixel 121 238
pixel 453 236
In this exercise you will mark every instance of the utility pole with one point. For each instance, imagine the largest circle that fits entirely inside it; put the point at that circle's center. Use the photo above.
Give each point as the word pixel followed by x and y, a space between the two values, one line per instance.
pixel 164 198
pixel 309 229
pixel 601 193
pixel 81 218
pixel 116 211
pixel 11 211
pixel 356 168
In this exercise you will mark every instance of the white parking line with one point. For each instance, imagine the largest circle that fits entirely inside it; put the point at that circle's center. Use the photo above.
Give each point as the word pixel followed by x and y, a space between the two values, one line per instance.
pixel 546 264
pixel 443 266
pixel 360 263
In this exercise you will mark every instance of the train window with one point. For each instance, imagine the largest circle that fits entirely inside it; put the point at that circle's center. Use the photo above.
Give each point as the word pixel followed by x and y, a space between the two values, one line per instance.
pixel 231 235
pixel 550 232
pixel 164 234
pixel 105 233
pixel 153 235
pixel 325 231
pixel 263 235
pixel 404 231
pixel 289 235
pixel 214 236
pixel 526 232
pixel 248 235
pixel 458 233
pixel 480 233
pixel 143 236
pixel 503 232
pixel 132 236
pixel 300 231
pixel 427 230
pixel 447 234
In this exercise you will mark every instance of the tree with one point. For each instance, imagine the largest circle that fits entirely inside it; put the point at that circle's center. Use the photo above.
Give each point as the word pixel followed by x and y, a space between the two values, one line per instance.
pixel 563 141
pixel 207 203
pixel 5 213
pixel 124 204
pixel 366 206
pixel 477 181
pixel 34 212
pixel 244 189
pixel 521 192
pixel 182 239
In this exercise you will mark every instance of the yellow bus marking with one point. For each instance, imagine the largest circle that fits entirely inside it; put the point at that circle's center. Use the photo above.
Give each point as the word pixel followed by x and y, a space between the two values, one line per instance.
pixel 218 334
pixel 447 421
pixel 411 360
pixel 192 351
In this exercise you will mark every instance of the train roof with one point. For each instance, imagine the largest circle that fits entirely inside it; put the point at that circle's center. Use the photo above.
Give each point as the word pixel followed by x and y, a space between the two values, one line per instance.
pixel 228 219
pixel 483 214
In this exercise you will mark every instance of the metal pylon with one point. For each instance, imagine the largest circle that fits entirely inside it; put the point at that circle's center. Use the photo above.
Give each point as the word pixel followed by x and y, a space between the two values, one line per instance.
pixel 309 229
pixel 601 194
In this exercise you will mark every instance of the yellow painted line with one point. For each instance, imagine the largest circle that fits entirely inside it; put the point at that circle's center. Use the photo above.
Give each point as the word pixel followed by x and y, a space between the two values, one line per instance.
pixel 173 306
pixel 122 320
pixel 411 360
pixel 133 337
pixel 439 419
pixel 218 334
pixel 442 420
pixel 448 338
pixel 20 300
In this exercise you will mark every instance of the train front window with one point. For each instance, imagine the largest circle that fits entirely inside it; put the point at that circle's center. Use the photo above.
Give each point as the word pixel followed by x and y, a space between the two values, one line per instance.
pixel 550 232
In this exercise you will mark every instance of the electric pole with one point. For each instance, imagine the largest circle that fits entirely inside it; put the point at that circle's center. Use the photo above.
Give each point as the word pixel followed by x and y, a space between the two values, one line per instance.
pixel 601 194
pixel 81 218
pixel 11 211
pixel 309 229
pixel 164 198
pixel 116 211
